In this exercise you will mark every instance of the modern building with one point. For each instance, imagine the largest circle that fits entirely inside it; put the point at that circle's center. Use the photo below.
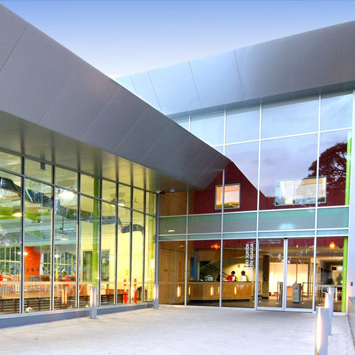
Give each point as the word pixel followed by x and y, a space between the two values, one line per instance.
pixel 274 229
pixel 81 162
pixel 226 183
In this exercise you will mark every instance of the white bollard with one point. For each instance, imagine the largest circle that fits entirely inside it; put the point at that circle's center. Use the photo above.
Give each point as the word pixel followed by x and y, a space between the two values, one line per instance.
pixel 321 341
pixel 329 303
pixel 93 303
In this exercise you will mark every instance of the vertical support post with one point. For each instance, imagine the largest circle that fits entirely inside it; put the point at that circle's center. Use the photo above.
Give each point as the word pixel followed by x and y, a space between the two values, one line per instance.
pixel 93 303
pixel 346 242
pixel 78 247
pixel 96 235
pixel 321 340
pixel 329 303
pixel 156 281
pixel 222 249
pixel 52 242
pixel 22 259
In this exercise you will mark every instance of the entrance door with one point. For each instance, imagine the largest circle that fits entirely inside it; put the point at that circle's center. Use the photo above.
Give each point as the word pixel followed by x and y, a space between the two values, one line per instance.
pixel 286 274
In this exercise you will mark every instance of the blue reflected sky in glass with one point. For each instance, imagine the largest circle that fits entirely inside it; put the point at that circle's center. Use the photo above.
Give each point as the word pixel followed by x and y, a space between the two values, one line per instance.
pixel 290 117
pixel 209 128
pixel 242 124
pixel 336 111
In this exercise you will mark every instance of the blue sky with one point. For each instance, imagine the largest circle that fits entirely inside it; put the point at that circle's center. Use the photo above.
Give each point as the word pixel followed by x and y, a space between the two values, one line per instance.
pixel 123 37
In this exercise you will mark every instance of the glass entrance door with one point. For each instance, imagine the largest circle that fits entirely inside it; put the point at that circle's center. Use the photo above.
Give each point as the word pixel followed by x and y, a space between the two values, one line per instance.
pixel 286 274
pixel 299 278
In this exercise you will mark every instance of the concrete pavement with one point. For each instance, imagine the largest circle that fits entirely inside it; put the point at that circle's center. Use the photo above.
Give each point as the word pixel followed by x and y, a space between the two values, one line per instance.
pixel 177 330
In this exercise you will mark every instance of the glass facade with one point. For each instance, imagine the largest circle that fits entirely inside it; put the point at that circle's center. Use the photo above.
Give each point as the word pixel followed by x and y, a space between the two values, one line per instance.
pixel 63 232
pixel 287 191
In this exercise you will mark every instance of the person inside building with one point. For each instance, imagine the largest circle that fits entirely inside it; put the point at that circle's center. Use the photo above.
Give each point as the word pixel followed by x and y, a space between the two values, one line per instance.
pixel 244 276
pixel 231 277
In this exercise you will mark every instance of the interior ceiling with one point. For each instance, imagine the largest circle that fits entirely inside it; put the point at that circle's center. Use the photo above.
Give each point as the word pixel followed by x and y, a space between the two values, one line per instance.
pixel 56 107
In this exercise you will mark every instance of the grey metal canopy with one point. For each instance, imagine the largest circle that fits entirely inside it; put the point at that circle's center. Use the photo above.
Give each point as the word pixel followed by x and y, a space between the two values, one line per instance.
pixel 306 63
pixel 56 107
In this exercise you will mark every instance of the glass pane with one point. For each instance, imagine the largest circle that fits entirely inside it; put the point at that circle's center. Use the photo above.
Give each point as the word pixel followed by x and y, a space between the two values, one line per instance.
pixel 10 242
pixel 38 244
pixel 124 196
pixel 138 200
pixel 287 176
pixel 242 125
pixel 330 267
pixel 109 191
pixel 300 273
pixel 200 201
pixel 172 225
pixel 204 224
pixel 183 122
pixel 209 128
pixel 173 204
pixel 66 178
pixel 238 273
pixel 271 272
pixel 38 170
pixel 150 232
pixel 151 203
pixel 11 162
pixel 245 172
pixel 137 257
pixel 203 272
pixel 336 111
pixel 172 272
pixel 239 222
pixel 287 219
pixel 65 243
pixel 333 218
pixel 334 168
pixel 123 256
pixel 289 117
pixel 108 254
pixel 90 247
pixel 90 185
pixel 231 196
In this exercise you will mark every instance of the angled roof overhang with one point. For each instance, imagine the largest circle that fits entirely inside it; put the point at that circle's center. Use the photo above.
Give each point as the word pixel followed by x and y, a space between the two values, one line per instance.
pixel 304 64
pixel 55 106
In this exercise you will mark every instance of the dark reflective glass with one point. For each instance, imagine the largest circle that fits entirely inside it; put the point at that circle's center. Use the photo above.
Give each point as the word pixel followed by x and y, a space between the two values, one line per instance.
pixel 287 176
pixel 244 172
pixel 334 168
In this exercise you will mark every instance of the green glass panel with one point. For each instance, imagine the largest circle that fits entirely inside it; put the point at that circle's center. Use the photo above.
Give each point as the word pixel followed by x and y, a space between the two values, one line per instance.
pixel 204 223
pixel 287 219
pixel 333 217
pixel 38 170
pixel 239 222
pixel 172 225
pixel 66 178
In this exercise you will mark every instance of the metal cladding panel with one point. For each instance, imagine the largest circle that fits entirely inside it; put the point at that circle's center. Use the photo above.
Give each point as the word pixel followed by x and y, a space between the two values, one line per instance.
pixel 11 29
pixel 217 79
pixel 56 107
pixel 79 102
pixel 142 137
pixel 205 158
pixel 303 64
pixel 118 116
pixel 168 143
pixel 263 69
pixel 315 58
pixel 348 48
pixel 144 89
pixel 175 88
pixel 184 155
pixel 34 74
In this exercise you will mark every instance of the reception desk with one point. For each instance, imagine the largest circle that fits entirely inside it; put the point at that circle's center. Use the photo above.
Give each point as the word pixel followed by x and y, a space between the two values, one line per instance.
pixel 202 291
